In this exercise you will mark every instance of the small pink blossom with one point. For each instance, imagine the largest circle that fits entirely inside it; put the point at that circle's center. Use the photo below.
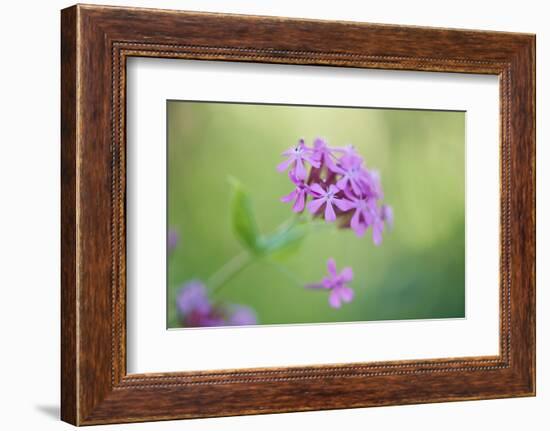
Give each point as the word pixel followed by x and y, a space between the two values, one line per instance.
pixel 336 283
pixel 328 198
pixel 195 309
pixel 296 157
pixel 348 151
pixel 353 175
pixel 298 195
pixel 324 154
pixel 364 214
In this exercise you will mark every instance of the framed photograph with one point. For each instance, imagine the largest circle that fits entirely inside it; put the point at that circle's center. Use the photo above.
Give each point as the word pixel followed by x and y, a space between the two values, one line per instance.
pixel 264 215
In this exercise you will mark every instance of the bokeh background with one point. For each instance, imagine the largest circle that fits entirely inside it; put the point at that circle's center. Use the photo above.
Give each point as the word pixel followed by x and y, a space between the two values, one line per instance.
pixel 418 272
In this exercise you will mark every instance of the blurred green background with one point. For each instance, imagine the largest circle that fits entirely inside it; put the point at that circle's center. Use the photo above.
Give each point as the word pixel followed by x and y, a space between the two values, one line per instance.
pixel 418 272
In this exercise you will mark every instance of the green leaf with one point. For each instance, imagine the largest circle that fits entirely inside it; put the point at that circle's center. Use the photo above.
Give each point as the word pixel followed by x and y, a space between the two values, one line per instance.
pixel 242 218
pixel 285 241
pixel 280 244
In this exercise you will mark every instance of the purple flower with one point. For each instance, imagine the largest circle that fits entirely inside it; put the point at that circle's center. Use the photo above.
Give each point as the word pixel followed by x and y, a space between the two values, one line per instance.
pixel 296 157
pixel 353 175
pixel 242 316
pixel 364 215
pixel 172 239
pixel 324 154
pixel 327 198
pixel 347 151
pixel 336 283
pixel 196 310
pixel 193 297
pixel 298 195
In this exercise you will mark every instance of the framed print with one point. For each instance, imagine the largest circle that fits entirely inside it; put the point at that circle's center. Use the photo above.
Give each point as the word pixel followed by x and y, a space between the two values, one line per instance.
pixel 317 215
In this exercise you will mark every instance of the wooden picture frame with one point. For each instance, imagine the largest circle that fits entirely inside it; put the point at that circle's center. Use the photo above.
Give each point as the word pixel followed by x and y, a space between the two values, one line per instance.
pixel 95 43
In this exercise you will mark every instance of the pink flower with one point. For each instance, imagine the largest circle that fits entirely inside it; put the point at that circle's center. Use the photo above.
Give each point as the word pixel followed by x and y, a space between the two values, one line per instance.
pixel 195 309
pixel 364 215
pixel 242 316
pixel 328 198
pixel 347 151
pixel 353 175
pixel 298 195
pixel 324 154
pixel 194 306
pixel 296 157
pixel 336 283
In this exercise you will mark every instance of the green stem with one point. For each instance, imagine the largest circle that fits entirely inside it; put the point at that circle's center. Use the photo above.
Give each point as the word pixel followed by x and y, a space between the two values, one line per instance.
pixel 288 274
pixel 228 271
pixel 241 261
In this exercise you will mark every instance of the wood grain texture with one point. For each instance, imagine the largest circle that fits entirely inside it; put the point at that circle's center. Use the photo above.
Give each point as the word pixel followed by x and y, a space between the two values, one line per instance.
pixel 96 41
pixel 69 367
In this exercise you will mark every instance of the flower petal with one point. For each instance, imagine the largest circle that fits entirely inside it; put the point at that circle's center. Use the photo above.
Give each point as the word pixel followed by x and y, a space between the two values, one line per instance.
pixel 333 189
pixel 342 182
pixel 331 267
pixel 242 316
pixel 356 225
pixel 377 229
pixel 284 165
pixel 290 197
pixel 345 293
pixel 193 296
pixel 329 212
pixel 299 169
pixel 334 299
pixel 289 152
pixel 294 179
pixel 355 187
pixel 342 204
pixel 330 163
pixel 300 201
pixel 327 283
pixel 317 189
pixel 313 162
pixel 347 274
pixel 387 215
pixel 369 216
pixel 315 204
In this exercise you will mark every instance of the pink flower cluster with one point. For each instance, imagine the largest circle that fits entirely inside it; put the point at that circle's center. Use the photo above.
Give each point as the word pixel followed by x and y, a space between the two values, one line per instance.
pixel 338 184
